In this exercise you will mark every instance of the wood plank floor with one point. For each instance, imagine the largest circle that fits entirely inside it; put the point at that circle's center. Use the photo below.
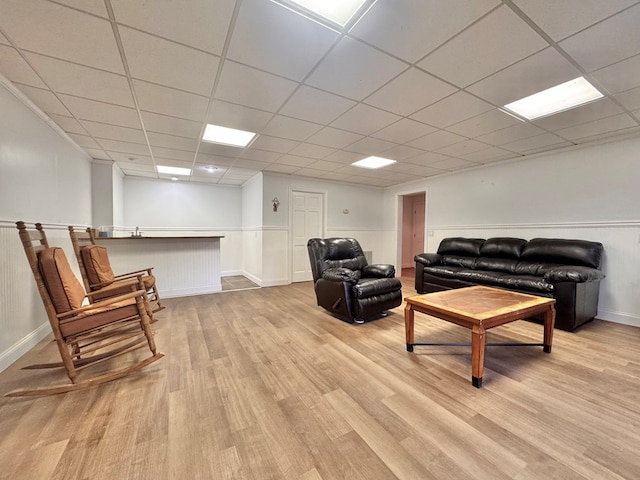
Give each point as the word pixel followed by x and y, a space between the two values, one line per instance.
pixel 262 384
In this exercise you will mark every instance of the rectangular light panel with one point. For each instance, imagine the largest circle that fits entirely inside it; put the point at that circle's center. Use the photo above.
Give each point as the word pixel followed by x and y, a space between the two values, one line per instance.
pixel 338 12
pixel 556 99
pixel 227 136
pixel 173 170
pixel 373 162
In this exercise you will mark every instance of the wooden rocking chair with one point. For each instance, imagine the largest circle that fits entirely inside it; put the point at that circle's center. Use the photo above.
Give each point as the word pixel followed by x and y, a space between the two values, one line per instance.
pixel 96 271
pixel 85 335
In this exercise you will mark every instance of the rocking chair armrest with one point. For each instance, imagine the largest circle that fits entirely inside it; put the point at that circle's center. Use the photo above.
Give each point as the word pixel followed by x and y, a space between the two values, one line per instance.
pixel 134 273
pixel 103 303
pixel 110 286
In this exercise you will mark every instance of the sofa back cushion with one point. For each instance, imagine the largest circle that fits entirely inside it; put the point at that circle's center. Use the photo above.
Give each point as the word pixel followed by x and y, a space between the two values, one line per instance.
pixel 563 252
pixel 459 246
pixel 502 247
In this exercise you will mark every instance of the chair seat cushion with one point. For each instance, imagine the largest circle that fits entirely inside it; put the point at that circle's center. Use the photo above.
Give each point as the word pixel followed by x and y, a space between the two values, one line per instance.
pixel 96 264
pixel 98 317
pixel 368 287
pixel 65 290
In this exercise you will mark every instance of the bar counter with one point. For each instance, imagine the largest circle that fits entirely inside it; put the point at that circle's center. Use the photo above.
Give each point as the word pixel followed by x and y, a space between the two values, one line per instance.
pixel 182 265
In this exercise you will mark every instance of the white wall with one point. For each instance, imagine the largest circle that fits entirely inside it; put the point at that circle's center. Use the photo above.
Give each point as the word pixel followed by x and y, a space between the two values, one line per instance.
pixel 43 178
pixel 252 192
pixel 589 193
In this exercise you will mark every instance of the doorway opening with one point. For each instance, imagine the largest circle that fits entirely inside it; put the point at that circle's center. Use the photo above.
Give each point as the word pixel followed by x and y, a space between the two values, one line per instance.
pixel 411 229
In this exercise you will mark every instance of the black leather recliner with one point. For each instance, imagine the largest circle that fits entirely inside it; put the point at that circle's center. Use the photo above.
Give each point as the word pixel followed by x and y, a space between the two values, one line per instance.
pixel 346 285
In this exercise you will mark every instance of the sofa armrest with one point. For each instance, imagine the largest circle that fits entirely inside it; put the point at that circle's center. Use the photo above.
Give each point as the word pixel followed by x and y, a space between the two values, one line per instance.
pixel 379 270
pixel 341 275
pixel 575 274
pixel 428 259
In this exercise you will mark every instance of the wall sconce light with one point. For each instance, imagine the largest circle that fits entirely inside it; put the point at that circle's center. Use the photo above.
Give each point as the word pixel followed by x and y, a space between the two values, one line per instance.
pixel 276 203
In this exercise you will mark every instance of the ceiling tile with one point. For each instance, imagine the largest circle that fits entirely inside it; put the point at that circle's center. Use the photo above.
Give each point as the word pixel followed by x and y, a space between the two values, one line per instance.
pixel 258 155
pixel 172 141
pixel 586 113
pixel 505 39
pixel 168 101
pixel 489 155
pixel 427 158
pixel 97 154
pixel 484 123
pixel 36 25
pixel 281 168
pixel 630 99
pixel 155 122
pixel 214 160
pixel 91 6
pixel 370 146
pixel 315 105
pixel 462 148
pixel 85 109
pixel 452 164
pixel 237 116
pixel 161 153
pixel 45 100
pixel 81 81
pixel 216 149
pixel 410 91
pixel 511 134
pixel 290 50
pixel 85 141
pixel 13 66
pixel 362 70
pixel 208 170
pixel 425 171
pixel 114 132
pixel 615 123
pixel 621 76
pixel 273 144
pixel 535 143
pixel 343 157
pixel 253 164
pixel 414 28
pixel 453 109
pixel 198 23
pixel 404 130
pixel 607 42
pixel 133 149
pixel 561 19
pixel 129 160
pixel 334 138
pixel 311 151
pixel 365 119
pixel 291 128
pixel 68 124
pixel 325 166
pixel 160 61
pixel 253 88
pixel 543 70
pixel 402 152
pixel 437 140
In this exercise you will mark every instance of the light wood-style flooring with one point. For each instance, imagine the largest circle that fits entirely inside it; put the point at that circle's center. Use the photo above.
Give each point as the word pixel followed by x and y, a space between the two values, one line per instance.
pixel 263 384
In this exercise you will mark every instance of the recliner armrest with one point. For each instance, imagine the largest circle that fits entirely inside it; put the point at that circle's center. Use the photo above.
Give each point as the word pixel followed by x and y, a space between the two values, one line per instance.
pixel 379 270
pixel 428 259
pixel 341 275
pixel 575 274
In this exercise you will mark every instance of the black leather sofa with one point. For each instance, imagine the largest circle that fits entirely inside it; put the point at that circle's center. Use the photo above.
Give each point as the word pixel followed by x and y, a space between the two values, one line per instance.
pixel 346 286
pixel 567 270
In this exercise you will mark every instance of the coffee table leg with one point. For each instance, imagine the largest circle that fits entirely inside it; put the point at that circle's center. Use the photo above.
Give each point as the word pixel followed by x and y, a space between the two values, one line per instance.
pixel 549 322
pixel 408 326
pixel 478 341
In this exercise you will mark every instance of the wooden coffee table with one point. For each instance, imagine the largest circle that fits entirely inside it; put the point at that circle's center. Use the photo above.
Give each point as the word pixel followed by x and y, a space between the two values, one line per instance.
pixel 479 309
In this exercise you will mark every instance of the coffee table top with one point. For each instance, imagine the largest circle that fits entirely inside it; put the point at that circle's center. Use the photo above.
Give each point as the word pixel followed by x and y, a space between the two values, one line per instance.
pixel 478 303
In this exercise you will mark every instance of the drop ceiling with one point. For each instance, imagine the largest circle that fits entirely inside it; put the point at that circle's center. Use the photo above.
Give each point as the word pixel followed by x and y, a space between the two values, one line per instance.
pixel 420 82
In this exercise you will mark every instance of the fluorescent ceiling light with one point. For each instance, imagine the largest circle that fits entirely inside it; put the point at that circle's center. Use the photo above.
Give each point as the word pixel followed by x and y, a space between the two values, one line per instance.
pixel 173 170
pixel 373 162
pixel 227 136
pixel 555 99
pixel 338 12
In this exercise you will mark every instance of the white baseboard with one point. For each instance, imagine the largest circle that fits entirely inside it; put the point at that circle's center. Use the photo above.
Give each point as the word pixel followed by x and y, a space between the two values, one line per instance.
pixel 617 317
pixel 188 292
pixel 14 352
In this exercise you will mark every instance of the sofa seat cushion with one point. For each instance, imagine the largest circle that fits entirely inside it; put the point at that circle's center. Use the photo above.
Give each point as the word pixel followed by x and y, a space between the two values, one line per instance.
pixel 529 283
pixel 98 317
pixel 368 287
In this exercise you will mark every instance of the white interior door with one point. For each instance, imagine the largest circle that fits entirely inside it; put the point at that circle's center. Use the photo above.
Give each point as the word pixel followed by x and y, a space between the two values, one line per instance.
pixel 307 217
